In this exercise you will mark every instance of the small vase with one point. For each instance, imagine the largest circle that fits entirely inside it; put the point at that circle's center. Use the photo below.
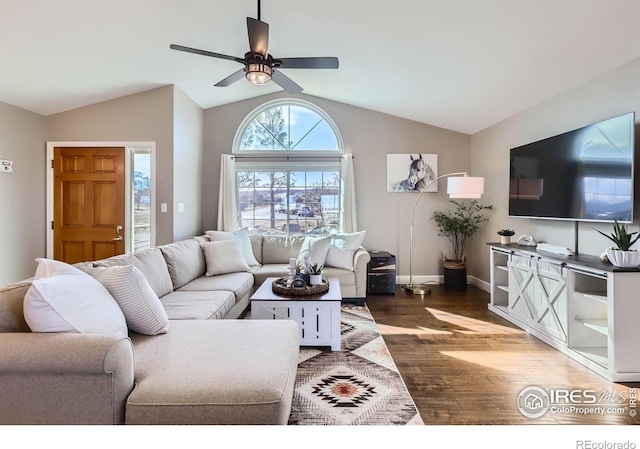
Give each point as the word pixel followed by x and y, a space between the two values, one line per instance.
pixel 505 239
pixel 316 279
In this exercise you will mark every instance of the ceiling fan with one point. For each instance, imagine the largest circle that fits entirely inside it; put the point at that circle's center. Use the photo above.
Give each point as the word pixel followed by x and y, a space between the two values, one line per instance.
pixel 259 66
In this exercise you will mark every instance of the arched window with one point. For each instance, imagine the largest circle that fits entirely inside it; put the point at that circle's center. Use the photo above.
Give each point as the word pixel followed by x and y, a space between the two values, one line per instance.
pixel 288 170
pixel 288 125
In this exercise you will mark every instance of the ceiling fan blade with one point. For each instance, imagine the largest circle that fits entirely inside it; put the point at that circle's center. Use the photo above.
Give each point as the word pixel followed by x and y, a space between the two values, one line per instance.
pixel 309 63
pixel 205 53
pixel 258 36
pixel 285 82
pixel 235 76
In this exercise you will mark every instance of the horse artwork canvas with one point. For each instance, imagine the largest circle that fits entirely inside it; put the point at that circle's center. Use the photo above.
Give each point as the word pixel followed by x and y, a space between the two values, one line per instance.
pixel 412 173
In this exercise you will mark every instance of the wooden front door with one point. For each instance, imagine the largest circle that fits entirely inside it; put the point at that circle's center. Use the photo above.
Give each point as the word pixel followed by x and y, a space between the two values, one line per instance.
pixel 89 203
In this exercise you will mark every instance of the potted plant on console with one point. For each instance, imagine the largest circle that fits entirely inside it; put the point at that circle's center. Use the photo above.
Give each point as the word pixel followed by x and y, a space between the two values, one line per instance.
pixel 315 273
pixel 459 226
pixel 622 255
pixel 505 235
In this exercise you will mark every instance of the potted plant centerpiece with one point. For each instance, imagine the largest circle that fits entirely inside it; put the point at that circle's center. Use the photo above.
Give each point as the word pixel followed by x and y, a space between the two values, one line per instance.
pixel 505 235
pixel 315 273
pixel 622 255
pixel 459 226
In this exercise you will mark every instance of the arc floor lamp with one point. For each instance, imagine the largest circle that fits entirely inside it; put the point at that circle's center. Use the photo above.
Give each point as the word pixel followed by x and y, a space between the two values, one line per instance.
pixel 459 185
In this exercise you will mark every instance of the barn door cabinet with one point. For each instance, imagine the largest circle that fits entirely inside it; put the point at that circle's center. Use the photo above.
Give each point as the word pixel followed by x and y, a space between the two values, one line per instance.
pixel 579 305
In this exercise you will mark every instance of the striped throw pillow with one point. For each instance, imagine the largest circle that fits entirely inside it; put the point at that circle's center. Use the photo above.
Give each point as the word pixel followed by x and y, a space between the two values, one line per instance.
pixel 140 305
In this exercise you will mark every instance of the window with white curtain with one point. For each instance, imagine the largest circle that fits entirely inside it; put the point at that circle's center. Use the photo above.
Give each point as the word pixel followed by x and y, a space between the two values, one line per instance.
pixel 287 173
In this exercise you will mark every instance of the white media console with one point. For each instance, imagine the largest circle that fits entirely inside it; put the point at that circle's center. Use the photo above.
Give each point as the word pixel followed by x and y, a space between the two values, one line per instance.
pixel 579 305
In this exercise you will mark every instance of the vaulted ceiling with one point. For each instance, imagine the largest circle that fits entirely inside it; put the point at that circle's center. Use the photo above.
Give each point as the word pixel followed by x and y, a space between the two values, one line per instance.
pixel 458 64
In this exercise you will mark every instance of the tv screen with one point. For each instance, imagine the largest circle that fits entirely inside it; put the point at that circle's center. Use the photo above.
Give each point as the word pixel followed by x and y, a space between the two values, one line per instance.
pixel 581 175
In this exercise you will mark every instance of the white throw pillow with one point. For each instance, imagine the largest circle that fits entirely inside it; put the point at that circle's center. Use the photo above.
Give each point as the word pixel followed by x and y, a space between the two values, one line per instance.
pixel 64 299
pixel 343 248
pixel 141 306
pixel 316 248
pixel 349 242
pixel 224 256
pixel 245 242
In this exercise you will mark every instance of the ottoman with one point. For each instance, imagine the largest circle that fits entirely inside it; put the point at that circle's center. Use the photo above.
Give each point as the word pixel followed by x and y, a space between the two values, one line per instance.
pixel 215 372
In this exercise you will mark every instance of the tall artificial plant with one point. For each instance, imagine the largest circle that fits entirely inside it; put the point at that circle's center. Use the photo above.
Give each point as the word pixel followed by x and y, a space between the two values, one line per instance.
pixel 461 224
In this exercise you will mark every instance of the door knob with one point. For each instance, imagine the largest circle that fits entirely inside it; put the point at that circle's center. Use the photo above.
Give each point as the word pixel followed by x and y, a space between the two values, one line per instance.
pixel 118 236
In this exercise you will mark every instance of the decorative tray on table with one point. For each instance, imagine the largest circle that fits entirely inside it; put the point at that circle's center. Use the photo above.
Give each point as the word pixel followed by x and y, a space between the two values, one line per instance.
pixel 298 288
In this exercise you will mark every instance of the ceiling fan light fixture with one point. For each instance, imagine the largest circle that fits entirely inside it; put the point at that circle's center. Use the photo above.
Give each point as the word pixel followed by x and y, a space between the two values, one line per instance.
pixel 259 73
pixel 259 67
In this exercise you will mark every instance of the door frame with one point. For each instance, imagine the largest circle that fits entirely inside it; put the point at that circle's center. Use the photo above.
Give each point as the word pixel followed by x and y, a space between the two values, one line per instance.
pixel 129 148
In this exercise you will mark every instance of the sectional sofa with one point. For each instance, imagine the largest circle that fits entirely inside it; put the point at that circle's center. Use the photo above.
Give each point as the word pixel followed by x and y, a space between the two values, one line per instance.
pixel 204 367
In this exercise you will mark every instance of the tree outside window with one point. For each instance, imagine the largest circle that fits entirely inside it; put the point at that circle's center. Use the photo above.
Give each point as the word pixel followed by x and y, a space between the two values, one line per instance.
pixel 285 196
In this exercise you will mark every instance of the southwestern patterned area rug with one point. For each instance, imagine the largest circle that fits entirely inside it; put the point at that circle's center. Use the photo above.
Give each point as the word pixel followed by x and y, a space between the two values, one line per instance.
pixel 359 385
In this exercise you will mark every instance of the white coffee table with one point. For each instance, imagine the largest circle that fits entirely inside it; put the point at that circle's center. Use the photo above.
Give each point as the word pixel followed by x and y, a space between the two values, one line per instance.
pixel 318 316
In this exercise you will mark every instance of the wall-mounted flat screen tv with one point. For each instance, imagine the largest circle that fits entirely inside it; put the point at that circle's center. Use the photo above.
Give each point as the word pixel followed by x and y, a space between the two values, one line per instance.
pixel 581 175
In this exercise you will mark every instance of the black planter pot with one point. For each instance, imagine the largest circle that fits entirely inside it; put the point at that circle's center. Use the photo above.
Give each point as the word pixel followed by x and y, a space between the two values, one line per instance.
pixel 455 277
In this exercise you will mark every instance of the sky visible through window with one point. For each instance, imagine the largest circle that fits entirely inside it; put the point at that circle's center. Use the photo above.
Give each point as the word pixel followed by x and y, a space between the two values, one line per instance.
pixel 287 128
pixel 288 196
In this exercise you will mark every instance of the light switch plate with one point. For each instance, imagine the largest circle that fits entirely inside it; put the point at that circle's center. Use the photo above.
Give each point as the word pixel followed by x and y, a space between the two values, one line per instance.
pixel 163 208
pixel 6 166
pixel 180 208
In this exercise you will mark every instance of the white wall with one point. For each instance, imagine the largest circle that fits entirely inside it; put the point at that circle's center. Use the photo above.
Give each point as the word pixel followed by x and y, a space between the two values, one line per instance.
pixel 22 200
pixel 370 136
pixel 187 166
pixel 612 94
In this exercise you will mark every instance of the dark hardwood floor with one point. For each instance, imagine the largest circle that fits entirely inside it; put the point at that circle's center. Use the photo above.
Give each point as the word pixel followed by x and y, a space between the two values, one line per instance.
pixel 465 365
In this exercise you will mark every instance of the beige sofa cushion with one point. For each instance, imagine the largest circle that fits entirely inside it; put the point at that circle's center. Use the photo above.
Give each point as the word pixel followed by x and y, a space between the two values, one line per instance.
pixel 256 246
pixel 198 305
pixel 185 261
pixel 223 257
pixel 11 307
pixel 279 249
pixel 215 372
pixel 269 270
pixel 238 283
pixel 242 235
pixel 151 263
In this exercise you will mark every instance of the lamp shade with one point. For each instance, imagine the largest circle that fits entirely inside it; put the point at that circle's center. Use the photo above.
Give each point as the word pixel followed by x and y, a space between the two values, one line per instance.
pixel 465 186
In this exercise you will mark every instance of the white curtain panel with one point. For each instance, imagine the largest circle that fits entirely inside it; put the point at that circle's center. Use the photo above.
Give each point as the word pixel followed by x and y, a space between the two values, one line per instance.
pixel 348 218
pixel 227 205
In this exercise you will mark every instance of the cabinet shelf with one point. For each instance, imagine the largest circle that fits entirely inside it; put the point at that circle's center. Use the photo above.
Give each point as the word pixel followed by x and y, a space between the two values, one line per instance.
pixel 596 295
pixel 597 324
pixel 579 305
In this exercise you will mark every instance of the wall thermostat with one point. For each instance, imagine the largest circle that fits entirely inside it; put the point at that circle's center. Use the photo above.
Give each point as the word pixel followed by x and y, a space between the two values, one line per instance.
pixel 6 166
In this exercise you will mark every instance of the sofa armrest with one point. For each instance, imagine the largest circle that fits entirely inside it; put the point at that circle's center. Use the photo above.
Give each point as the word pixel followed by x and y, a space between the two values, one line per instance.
pixel 360 260
pixel 64 378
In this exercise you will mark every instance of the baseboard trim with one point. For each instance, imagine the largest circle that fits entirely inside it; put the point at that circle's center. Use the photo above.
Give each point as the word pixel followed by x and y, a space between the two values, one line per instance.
pixel 404 280
pixel 477 282
pixel 439 279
